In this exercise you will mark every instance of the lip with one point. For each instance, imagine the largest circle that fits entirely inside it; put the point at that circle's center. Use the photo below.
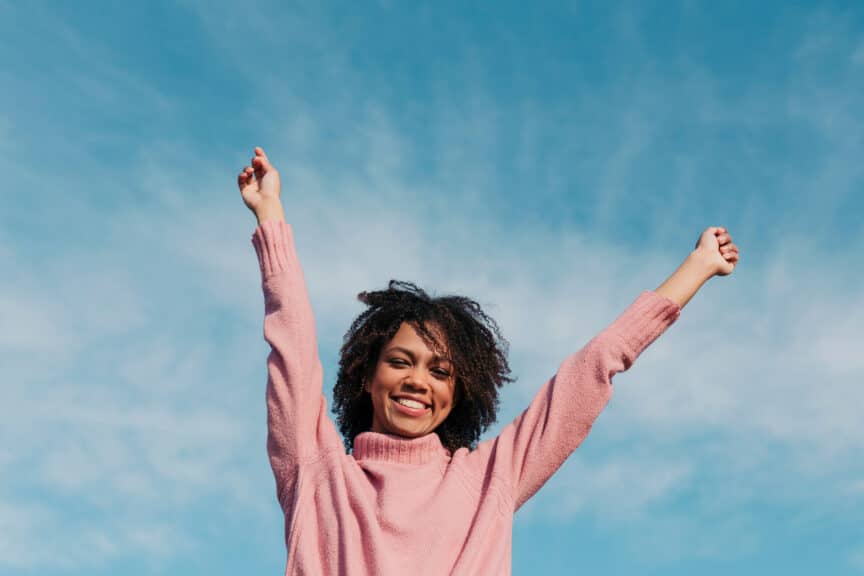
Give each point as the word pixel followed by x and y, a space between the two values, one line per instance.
pixel 414 398
pixel 409 411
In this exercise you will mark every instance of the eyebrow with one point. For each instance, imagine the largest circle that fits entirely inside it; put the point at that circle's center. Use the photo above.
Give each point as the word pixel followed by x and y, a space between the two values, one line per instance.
pixel 411 355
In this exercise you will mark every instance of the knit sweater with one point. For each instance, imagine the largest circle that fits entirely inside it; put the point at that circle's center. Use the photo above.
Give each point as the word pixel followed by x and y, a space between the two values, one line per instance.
pixel 397 506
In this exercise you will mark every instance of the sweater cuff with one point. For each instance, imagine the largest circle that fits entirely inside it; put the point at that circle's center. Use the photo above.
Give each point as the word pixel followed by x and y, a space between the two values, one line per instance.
pixel 274 244
pixel 645 320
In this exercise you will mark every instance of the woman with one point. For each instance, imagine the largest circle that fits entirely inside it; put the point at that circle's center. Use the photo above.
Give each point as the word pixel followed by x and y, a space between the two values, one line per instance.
pixel 415 493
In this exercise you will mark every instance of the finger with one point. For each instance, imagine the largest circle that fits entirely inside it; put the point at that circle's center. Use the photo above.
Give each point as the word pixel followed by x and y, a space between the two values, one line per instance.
pixel 261 166
pixel 244 176
pixel 262 160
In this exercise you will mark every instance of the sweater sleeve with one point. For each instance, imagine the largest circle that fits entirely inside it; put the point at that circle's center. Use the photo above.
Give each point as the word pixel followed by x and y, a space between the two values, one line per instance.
pixel 298 428
pixel 533 446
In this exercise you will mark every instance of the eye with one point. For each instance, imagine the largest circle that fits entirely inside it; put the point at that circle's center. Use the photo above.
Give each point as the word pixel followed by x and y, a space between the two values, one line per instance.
pixel 441 372
pixel 398 362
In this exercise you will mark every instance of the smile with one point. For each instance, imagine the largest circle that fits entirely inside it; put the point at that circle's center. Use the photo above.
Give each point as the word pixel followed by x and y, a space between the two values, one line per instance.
pixel 410 407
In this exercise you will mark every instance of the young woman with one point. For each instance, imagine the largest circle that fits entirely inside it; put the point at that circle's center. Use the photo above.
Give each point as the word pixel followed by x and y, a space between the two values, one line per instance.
pixel 407 488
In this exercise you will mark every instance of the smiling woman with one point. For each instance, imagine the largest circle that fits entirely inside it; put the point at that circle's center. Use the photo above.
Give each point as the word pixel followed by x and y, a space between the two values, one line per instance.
pixel 412 394
pixel 407 488
pixel 444 353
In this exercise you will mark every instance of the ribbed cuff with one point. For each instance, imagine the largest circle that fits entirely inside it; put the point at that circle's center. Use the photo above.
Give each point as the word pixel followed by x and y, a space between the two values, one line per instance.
pixel 645 320
pixel 274 244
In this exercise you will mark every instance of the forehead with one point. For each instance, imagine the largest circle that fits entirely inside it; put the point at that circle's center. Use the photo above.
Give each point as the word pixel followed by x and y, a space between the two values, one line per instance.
pixel 409 339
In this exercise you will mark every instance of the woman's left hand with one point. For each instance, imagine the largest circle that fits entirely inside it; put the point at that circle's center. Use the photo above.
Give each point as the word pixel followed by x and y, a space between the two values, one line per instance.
pixel 716 246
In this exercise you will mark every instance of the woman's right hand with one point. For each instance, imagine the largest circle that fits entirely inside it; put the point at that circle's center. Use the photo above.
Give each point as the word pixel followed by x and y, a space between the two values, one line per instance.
pixel 259 184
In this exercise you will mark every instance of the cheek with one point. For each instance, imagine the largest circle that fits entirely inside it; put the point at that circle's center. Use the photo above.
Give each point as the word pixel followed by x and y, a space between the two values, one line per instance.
pixel 450 397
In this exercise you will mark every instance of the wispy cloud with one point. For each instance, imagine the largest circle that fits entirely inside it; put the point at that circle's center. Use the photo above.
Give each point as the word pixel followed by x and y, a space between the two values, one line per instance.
pixel 36 536
pixel 856 559
pixel 619 489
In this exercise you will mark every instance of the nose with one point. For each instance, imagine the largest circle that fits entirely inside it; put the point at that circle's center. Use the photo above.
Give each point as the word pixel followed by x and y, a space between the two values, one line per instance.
pixel 417 380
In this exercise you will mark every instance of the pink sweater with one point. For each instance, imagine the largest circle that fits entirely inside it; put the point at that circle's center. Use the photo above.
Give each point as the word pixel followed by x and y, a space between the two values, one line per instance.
pixel 400 506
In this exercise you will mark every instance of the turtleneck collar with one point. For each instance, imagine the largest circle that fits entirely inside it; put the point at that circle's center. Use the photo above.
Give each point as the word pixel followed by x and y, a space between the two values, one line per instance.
pixel 398 449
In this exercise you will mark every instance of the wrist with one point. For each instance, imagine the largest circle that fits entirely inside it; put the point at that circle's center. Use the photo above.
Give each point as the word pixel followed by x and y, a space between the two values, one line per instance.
pixel 271 210
pixel 683 284
pixel 703 264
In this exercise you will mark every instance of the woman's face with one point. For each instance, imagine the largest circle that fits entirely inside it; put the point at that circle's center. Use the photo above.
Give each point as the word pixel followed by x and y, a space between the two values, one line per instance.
pixel 412 388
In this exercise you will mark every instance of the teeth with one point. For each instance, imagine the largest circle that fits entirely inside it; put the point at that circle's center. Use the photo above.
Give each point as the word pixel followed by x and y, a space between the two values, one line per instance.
pixel 410 403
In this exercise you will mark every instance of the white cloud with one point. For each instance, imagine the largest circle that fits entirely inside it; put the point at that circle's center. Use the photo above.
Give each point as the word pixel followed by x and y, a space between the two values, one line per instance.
pixel 856 559
pixel 19 526
pixel 37 537
pixel 619 489
pixel 35 327
pixel 110 413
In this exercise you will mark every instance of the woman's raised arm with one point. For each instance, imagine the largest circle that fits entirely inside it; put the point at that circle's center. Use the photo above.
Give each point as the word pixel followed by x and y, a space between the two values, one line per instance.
pixel 534 445
pixel 297 423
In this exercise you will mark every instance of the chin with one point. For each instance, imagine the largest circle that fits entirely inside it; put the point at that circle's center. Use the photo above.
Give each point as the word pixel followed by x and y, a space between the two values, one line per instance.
pixel 407 432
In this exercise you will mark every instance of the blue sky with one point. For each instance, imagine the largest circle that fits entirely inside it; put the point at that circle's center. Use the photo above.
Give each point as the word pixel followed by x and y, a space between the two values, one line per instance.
pixel 550 160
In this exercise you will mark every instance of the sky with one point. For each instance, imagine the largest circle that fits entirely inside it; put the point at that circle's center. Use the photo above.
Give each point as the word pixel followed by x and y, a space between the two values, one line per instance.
pixel 550 160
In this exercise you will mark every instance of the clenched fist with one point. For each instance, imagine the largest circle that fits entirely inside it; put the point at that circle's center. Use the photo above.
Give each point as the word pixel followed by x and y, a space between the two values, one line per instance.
pixel 715 245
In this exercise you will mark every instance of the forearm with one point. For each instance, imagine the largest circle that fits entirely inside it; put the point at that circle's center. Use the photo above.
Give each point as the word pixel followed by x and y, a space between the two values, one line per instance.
pixel 271 210
pixel 296 412
pixel 683 284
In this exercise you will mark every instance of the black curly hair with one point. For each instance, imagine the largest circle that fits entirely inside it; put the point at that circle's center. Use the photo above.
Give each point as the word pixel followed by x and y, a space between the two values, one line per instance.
pixel 476 349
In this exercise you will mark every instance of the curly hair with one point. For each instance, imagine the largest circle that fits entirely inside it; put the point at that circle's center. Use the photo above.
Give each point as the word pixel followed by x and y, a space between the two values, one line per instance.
pixel 476 349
